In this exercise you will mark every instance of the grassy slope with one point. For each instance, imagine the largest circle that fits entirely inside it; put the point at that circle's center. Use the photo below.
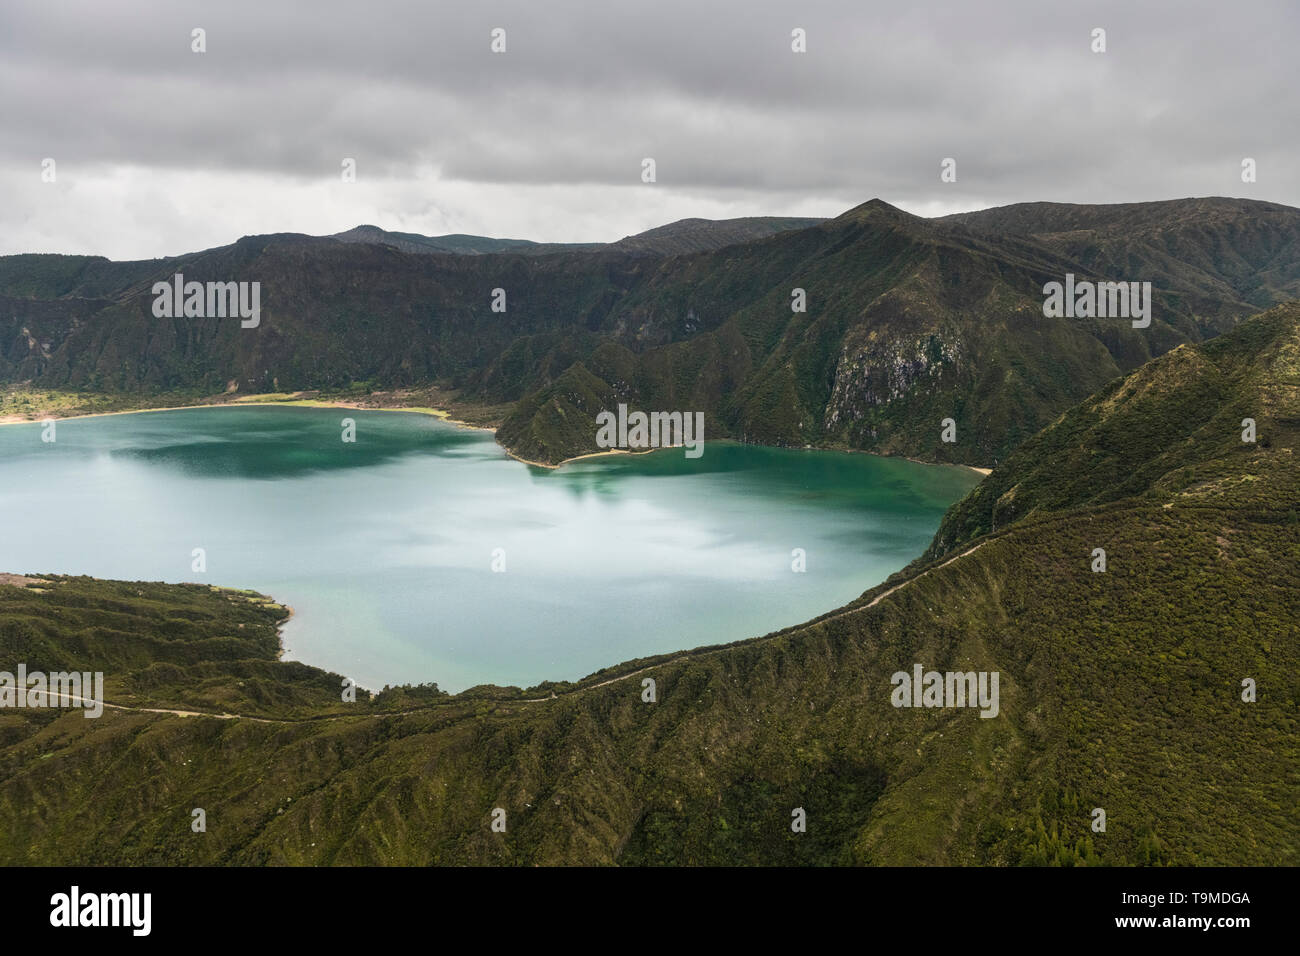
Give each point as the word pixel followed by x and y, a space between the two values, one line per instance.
pixel 1119 690
pixel 1210 247
pixel 909 321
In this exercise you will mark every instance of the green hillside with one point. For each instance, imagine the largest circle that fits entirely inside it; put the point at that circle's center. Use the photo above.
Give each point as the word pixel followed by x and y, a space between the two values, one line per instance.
pixel 1120 690
pixel 908 321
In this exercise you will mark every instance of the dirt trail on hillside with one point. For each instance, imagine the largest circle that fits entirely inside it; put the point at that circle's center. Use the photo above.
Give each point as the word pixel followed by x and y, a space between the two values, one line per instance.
pixel 155 710
pixel 845 613
pixel 531 700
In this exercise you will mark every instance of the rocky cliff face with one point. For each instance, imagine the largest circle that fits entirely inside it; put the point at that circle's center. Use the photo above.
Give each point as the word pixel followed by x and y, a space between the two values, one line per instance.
pixel 883 369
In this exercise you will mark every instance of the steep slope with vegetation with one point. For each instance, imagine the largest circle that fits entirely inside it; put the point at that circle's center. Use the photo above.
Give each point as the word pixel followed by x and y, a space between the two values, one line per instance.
pixel 908 321
pixel 1121 690
pixel 1212 248
pixel 1164 432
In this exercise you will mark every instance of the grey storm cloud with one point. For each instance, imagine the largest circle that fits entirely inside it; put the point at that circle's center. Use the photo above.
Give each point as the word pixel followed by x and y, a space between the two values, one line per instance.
pixel 711 91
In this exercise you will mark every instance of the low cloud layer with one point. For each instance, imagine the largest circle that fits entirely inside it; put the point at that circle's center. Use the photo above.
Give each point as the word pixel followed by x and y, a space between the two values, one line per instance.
pixel 160 150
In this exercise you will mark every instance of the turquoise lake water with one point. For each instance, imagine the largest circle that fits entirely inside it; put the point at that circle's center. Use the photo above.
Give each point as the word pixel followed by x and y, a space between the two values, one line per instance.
pixel 385 547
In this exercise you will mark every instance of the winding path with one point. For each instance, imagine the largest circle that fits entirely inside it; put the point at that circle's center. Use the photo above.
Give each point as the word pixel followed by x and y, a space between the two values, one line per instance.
pixel 530 700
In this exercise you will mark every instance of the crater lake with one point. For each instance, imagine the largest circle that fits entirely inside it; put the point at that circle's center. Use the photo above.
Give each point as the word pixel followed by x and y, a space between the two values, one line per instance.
pixel 422 552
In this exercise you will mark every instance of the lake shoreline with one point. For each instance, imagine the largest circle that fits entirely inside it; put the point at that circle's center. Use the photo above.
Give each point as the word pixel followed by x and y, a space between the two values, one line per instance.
pixel 250 490
pixel 438 413
pixel 849 451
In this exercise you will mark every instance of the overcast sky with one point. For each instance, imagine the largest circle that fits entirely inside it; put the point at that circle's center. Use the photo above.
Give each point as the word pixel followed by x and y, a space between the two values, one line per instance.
pixel 159 150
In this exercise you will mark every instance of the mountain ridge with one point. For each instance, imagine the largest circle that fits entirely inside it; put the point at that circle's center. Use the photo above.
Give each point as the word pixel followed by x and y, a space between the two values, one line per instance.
pixel 674 238
pixel 910 322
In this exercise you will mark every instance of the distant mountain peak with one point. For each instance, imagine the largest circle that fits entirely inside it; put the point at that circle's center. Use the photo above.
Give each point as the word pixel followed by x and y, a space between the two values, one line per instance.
pixel 875 210
pixel 674 238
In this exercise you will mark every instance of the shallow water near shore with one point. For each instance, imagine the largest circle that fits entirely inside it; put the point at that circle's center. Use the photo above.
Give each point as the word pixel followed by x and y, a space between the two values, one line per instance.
pixel 386 546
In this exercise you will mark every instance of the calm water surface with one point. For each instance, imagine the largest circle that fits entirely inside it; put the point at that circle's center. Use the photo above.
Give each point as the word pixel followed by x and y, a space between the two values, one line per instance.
pixel 385 547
